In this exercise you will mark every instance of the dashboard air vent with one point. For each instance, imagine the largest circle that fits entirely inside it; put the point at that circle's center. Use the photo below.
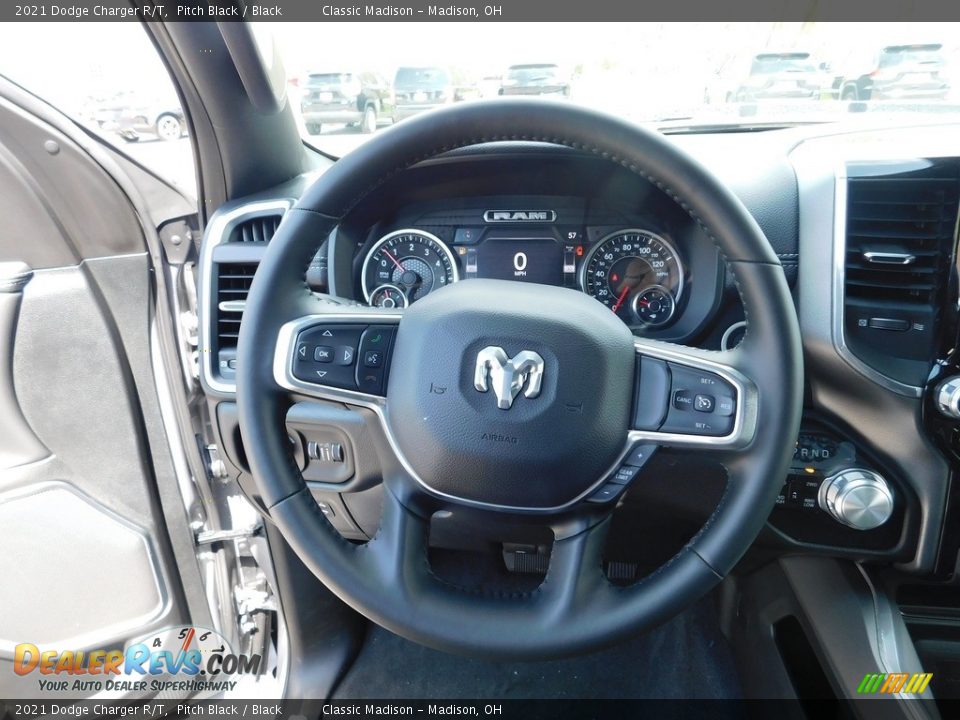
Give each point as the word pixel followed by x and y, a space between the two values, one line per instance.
pixel 233 284
pixel 900 237
pixel 255 229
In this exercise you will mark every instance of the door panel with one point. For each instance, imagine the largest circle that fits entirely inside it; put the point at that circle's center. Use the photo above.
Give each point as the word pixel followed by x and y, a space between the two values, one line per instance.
pixel 96 544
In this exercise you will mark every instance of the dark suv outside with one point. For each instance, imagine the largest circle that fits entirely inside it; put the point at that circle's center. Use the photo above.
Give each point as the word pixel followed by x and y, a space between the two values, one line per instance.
pixel 416 89
pixel 350 98
pixel 901 72
pixel 541 79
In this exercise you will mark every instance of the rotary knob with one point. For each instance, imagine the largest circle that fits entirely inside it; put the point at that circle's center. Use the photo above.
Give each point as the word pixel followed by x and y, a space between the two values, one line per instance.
pixel 858 498
pixel 948 397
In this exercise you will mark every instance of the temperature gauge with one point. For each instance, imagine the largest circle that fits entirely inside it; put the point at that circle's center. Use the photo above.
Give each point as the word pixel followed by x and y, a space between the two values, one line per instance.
pixel 389 297
pixel 654 306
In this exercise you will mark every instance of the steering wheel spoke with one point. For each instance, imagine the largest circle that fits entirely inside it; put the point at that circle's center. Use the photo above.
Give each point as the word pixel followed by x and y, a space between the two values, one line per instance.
pixel 342 355
pixel 692 398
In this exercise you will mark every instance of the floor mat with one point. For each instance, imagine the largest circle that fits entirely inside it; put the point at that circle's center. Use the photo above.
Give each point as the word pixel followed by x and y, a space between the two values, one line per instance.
pixel 685 658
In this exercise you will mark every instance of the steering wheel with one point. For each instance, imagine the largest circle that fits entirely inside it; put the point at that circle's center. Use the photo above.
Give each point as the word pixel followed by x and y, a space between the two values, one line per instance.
pixel 515 400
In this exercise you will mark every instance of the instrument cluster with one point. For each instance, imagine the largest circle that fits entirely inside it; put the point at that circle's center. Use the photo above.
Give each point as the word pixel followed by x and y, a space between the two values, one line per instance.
pixel 636 272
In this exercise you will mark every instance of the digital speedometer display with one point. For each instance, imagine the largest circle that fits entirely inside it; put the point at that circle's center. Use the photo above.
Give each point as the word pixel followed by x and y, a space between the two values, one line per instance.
pixel 635 273
pixel 534 260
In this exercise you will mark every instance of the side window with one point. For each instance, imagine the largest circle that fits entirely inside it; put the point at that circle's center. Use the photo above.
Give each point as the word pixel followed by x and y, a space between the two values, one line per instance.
pixel 108 78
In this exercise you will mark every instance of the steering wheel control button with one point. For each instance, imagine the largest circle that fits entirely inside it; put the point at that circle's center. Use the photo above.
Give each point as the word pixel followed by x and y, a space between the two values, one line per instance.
pixel 373 349
pixel 683 400
pixel 632 466
pixel 725 406
pixel 624 475
pixel 641 454
pixel 320 363
pixel 344 355
pixel 704 403
pixel 608 492
pixel 652 394
pixel 702 415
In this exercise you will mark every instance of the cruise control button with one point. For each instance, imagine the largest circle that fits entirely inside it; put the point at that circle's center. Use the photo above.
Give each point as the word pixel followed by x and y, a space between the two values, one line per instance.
pixel 344 354
pixel 683 400
pixel 703 403
pixel 725 406
pixel 323 353
pixel 687 423
pixel 709 394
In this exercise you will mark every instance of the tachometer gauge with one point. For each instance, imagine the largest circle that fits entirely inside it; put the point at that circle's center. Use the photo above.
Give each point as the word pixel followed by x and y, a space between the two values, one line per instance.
pixel 413 262
pixel 632 272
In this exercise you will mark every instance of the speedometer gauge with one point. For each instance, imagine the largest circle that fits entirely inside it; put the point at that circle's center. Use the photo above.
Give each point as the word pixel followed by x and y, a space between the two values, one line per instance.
pixel 632 271
pixel 412 262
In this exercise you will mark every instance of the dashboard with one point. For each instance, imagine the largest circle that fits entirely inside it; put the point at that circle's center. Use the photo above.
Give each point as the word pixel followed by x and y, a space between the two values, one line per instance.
pixel 830 203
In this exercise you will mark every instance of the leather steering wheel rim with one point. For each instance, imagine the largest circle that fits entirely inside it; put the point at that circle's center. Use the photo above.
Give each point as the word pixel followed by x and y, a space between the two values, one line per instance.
pixel 575 610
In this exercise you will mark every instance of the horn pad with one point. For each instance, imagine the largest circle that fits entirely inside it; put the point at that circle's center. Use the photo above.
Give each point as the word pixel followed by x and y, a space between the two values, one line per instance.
pixel 510 394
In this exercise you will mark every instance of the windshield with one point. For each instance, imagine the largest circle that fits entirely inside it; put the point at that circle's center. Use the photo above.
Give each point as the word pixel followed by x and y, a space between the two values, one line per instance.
pixel 319 80
pixel 678 77
pixel 910 55
pixel 108 78
pixel 787 62
pixel 411 77
pixel 526 73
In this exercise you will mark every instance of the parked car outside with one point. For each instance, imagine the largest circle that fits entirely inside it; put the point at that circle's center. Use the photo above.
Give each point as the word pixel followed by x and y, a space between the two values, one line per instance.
pixel 133 115
pixel 536 79
pixel 417 89
pixel 781 76
pixel 351 98
pixel 901 72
